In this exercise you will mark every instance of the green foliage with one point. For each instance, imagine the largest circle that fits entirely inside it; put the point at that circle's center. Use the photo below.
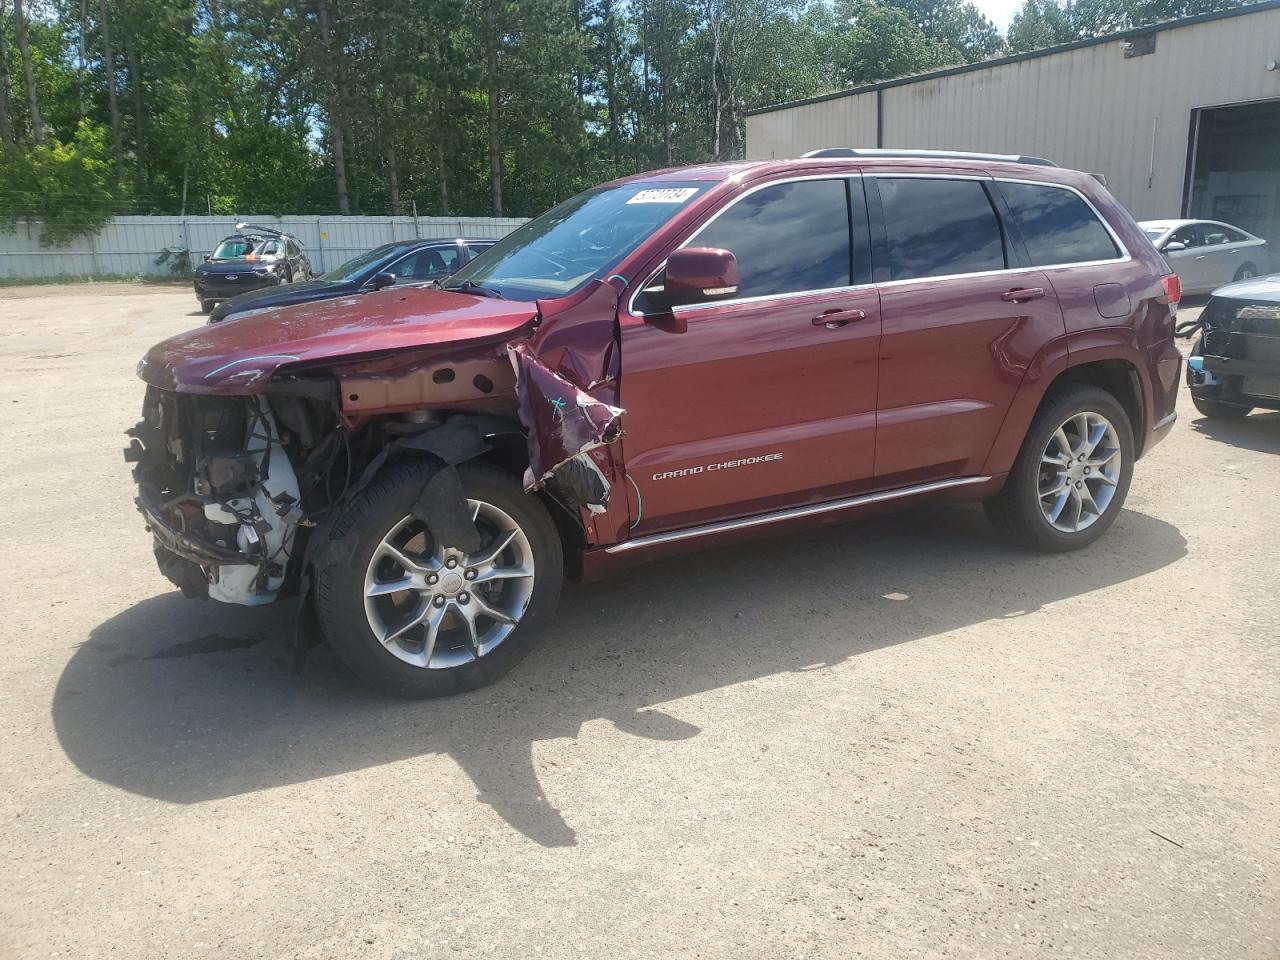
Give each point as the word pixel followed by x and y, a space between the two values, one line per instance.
pixel 882 42
pixel 65 185
pixel 1045 23
pixel 239 106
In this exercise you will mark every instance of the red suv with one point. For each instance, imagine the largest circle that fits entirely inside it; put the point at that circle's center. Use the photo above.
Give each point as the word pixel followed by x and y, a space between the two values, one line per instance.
pixel 669 362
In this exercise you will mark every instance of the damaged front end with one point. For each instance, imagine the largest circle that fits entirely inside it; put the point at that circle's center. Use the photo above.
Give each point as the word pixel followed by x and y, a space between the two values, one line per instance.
pixel 1237 358
pixel 226 483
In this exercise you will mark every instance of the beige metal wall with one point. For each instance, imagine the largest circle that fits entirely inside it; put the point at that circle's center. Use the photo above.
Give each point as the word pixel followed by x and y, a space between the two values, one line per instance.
pixel 1088 108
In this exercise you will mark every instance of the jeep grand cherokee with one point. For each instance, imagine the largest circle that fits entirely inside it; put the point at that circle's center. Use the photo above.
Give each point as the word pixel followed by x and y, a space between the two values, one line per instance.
pixel 672 361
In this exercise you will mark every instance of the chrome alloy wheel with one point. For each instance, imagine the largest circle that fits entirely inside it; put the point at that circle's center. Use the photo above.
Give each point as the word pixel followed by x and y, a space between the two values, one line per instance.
pixel 434 606
pixel 1079 471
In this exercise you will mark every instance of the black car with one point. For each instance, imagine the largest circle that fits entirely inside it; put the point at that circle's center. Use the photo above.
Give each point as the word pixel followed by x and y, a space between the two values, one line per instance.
pixel 249 261
pixel 1235 362
pixel 402 262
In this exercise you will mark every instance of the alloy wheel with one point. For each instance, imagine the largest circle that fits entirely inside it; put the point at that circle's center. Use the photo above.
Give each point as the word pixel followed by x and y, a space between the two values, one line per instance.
pixel 434 606
pixel 1079 472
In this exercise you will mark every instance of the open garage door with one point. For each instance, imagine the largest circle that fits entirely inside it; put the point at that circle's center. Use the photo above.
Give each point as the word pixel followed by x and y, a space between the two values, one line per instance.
pixel 1235 167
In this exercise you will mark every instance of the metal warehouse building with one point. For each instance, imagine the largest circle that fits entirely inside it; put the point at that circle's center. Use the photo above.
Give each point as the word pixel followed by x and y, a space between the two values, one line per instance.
pixel 1182 118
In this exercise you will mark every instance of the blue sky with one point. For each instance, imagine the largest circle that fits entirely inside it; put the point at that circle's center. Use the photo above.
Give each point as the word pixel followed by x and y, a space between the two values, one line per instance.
pixel 999 12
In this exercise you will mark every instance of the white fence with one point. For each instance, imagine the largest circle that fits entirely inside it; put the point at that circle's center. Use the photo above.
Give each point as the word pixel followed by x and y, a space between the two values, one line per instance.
pixel 129 246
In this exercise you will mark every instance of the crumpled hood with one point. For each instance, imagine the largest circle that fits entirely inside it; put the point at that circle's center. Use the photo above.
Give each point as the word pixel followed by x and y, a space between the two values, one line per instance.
pixel 240 357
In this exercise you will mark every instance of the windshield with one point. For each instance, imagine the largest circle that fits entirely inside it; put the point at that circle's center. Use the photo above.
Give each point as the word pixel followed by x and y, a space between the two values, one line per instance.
pixel 234 249
pixel 580 239
pixel 1155 233
pixel 353 268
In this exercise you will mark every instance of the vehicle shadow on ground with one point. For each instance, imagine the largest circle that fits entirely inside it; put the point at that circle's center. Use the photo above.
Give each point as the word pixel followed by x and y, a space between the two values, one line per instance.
pixel 1258 431
pixel 187 702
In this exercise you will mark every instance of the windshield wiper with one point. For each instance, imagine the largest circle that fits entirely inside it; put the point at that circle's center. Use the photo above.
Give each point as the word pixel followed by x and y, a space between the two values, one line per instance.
pixel 470 286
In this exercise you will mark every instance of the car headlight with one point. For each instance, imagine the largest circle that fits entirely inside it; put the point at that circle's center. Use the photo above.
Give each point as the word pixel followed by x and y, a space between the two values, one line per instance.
pixel 262 271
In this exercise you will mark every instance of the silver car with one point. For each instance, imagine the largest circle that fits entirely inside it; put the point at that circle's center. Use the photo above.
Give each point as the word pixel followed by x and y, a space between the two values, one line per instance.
pixel 1205 254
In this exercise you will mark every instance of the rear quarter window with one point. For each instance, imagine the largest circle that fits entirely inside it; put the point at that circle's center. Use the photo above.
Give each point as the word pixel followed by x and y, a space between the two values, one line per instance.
pixel 1057 225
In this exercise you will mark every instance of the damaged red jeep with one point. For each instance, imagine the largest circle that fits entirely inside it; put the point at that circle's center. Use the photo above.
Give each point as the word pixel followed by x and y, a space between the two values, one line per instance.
pixel 677 360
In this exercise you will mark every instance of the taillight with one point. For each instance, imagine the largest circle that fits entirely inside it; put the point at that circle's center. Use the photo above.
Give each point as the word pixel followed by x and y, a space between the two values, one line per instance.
pixel 1172 288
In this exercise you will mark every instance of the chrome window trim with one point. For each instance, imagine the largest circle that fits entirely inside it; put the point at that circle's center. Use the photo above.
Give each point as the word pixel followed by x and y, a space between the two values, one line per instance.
pixel 690 308
pixel 790 513
pixel 1125 257
pixel 631 302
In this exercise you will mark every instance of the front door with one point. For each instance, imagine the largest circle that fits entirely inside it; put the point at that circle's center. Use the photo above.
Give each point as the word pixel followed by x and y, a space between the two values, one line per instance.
pixel 767 400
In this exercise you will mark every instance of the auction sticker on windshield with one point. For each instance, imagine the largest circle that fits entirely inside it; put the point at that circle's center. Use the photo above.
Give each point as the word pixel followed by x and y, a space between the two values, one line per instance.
pixel 665 195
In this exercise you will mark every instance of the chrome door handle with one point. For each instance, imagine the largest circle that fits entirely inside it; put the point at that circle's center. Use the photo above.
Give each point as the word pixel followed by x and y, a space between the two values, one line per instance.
pixel 1203 256
pixel 1022 294
pixel 833 319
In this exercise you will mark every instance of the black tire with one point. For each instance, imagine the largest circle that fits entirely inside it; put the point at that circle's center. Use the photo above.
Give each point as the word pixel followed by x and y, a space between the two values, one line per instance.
pixel 375 512
pixel 1218 410
pixel 1016 512
pixel 206 306
pixel 1246 272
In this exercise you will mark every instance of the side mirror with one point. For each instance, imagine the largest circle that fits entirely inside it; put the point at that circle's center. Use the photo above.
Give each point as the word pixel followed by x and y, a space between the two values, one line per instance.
pixel 1173 246
pixel 208 257
pixel 700 275
pixel 383 280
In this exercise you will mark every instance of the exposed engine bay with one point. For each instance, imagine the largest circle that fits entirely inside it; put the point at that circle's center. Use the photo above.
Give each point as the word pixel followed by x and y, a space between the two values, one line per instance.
pixel 226 483
pixel 232 487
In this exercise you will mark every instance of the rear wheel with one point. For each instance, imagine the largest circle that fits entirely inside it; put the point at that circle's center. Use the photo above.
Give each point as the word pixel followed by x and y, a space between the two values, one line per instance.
pixel 1072 474
pixel 1217 410
pixel 419 618
pixel 1247 271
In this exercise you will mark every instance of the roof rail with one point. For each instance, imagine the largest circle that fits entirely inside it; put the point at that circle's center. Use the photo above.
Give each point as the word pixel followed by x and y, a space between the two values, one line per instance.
pixel 928 155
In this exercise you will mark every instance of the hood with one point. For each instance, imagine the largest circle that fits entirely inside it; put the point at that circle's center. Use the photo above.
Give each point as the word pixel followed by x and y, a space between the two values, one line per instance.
pixel 1266 289
pixel 240 357
pixel 280 296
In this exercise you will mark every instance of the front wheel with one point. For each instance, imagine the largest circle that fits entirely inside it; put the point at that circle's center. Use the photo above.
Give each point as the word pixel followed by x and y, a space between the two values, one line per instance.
pixel 206 306
pixel 1072 474
pixel 415 617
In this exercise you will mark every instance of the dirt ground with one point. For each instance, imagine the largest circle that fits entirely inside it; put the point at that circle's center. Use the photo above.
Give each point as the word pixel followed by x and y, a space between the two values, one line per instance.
pixel 900 738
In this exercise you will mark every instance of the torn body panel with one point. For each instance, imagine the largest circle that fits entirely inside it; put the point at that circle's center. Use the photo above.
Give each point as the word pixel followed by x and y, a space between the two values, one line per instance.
pixel 564 423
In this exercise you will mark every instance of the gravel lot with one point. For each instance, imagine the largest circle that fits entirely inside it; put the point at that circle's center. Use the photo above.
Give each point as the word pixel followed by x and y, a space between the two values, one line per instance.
pixel 900 738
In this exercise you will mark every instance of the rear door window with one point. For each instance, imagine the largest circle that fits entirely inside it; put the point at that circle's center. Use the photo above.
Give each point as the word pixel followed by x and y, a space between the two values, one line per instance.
pixel 938 227
pixel 1057 225
pixel 787 237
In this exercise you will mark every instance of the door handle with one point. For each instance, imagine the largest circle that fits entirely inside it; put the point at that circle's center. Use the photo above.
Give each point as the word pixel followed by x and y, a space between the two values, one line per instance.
pixel 1202 256
pixel 832 319
pixel 1022 294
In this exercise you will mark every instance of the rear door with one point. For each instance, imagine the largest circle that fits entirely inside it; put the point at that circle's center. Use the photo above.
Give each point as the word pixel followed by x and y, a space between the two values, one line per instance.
pixel 767 400
pixel 963 313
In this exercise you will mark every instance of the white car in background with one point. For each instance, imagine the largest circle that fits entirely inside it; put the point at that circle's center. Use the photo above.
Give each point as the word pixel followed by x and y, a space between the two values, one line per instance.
pixel 1205 254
